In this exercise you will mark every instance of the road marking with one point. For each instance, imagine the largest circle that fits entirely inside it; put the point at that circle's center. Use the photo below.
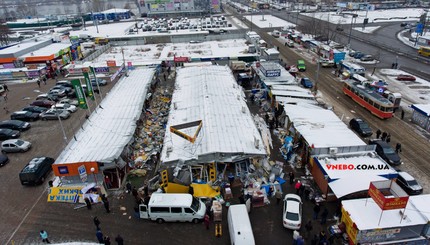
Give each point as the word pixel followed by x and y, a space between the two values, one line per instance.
pixel 25 217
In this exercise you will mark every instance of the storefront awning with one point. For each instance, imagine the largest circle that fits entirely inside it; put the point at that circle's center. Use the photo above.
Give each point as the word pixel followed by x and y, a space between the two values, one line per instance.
pixel 353 184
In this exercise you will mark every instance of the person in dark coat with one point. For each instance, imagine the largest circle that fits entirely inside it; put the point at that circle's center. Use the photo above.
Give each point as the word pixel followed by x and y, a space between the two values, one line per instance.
pixel 99 235
pixel 128 186
pixel 384 136
pixel 134 192
pixel 119 240
pixel 378 133
pixel 97 222
pixel 314 240
pixel 308 228
pixel 266 118
pixel 291 175
pixel 106 204
pixel 402 115
pixel 317 209
pixel 88 203
pixel 398 148
pixel 242 199
pixel 106 240
pixel 324 216
pixel 388 139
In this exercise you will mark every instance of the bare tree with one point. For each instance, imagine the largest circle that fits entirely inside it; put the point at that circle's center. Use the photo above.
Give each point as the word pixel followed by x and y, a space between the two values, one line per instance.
pixel 79 8
pixel 110 6
pixel 98 6
pixel 4 34
pixel 127 6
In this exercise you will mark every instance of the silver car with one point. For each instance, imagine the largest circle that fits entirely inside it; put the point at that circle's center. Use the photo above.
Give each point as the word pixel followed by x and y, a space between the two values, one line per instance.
pixel 15 145
pixel 53 114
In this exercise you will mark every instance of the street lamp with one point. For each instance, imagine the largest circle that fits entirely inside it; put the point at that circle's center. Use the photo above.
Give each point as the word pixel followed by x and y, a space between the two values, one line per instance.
pixel 353 17
pixel 94 175
pixel 59 119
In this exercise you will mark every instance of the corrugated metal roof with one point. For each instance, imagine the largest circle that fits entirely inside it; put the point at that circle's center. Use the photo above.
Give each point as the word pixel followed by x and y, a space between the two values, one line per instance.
pixel 111 127
pixel 212 95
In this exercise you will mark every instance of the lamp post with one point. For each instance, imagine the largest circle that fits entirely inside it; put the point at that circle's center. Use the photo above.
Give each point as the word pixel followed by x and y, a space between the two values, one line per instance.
pixel 94 175
pixel 353 17
pixel 61 122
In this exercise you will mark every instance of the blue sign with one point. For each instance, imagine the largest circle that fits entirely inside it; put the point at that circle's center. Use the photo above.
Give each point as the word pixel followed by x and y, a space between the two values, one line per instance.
pixel 420 27
pixel 102 69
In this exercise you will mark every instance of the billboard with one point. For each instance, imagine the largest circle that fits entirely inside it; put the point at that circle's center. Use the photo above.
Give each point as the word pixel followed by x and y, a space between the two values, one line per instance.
pixel 386 203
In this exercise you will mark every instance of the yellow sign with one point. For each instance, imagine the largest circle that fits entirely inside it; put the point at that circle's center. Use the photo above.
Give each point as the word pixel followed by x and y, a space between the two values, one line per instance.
pixel 64 194
pixel 349 225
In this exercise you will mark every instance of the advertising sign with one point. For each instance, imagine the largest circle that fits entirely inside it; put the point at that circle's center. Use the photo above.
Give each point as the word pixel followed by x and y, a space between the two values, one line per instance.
pixel 64 194
pixel 387 203
pixel 111 63
pixel 101 69
pixel 90 91
pixel 80 93
pixel 82 173
pixel 180 59
pixel 351 229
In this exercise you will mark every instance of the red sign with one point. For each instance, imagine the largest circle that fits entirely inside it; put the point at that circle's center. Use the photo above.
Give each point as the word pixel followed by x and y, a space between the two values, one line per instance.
pixel 111 63
pixel 181 59
pixel 387 203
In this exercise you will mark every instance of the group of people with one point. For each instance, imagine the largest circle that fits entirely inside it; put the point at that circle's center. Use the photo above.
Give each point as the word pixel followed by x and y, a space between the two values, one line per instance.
pixel 105 239
pixel 387 138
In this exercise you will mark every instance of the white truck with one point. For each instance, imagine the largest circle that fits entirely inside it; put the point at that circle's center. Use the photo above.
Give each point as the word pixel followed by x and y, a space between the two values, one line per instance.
pixel 165 207
pixel 239 225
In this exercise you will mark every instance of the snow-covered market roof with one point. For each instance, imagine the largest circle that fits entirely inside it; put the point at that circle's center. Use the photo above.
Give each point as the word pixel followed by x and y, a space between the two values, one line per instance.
pixel 104 135
pixel 321 127
pixel 421 203
pixel 228 132
pixel 366 215
pixel 48 50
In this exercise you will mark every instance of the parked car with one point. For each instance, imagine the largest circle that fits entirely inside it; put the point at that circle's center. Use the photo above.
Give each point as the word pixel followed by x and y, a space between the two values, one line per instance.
pixel 43 103
pixel 53 114
pixel 101 82
pixel 15 125
pixel 403 24
pixel 6 134
pixel 67 107
pixel 3 160
pixel 289 43
pixel 36 171
pixel 51 97
pixel 352 53
pixel 326 62
pixel 306 82
pixel 385 151
pixel 361 127
pixel 409 183
pixel 58 92
pixel 27 116
pixel 61 87
pixel 15 145
pixel 358 55
pixel 301 65
pixel 339 28
pixel 34 109
pixel 367 57
pixel 405 77
pixel 68 101
pixel 292 212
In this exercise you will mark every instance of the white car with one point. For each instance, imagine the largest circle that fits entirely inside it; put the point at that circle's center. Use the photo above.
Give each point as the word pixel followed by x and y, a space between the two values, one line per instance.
pixel 68 101
pixel 67 107
pixel 292 212
pixel 15 145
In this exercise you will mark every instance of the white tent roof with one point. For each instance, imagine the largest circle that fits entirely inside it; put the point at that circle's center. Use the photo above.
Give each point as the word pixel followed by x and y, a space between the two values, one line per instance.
pixel 48 50
pixel 366 216
pixel 343 186
pixel 111 127
pixel 212 95
pixel 321 127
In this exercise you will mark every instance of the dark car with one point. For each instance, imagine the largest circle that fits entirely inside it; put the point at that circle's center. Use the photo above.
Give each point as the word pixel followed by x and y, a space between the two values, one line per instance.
pixel 36 171
pixel 15 125
pixel 306 82
pixel 3 160
pixel 6 134
pixel 385 151
pixel 406 77
pixel 361 127
pixel 27 116
pixel 409 184
pixel 35 109
pixel 43 103
pixel 367 57
pixel 358 55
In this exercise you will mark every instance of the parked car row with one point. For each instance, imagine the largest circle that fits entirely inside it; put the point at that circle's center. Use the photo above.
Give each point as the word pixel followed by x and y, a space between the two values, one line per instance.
pixel 361 56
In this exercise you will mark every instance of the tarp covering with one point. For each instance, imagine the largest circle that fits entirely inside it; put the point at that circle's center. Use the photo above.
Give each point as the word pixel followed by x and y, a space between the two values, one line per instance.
pixel 343 187
pixel 200 190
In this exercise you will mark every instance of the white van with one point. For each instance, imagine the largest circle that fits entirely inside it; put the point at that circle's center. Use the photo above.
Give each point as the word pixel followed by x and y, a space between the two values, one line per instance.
pixel 239 225
pixel 173 208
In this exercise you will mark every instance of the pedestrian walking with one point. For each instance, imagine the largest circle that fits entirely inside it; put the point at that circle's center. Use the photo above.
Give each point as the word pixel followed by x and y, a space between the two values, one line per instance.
pixel 38 83
pixel 242 199
pixel 44 235
pixel 317 209
pixel 88 203
pixel 398 148
pixel 97 222
pixel 266 118
pixel 5 88
pixel 402 115
pixel 106 240
pixel 128 186
pixel 378 133
pixel 388 139
pixel 297 187
pixel 206 221
pixel 165 77
pixel 134 192
pixel 5 96
pixel 99 236
pixel 278 196
pixel 314 240
pixel 384 136
pixel 291 175
pixel 146 191
pixel 324 215
pixel 308 228
pixel 393 65
pixel 106 204
pixel 44 80
pixel 301 190
pixel 119 240
pixel 296 236
pixel 323 238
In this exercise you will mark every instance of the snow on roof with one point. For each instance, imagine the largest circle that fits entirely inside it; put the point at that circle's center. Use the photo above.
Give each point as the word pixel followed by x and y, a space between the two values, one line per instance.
pixel 155 53
pixel 421 203
pixel 295 101
pixel 266 21
pixel 321 127
pixel 271 51
pixel 422 108
pixel 283 79
pixel 105 30
pixel 25 45
pixel 115 10
pixel 343 186
pixel 286 93
pixel 212 95
pixel 366 215
pixel 48 50
pixel 106 132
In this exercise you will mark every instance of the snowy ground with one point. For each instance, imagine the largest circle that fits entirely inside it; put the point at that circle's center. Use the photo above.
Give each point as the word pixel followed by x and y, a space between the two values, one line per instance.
pixel 267 21
pixel 368 29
